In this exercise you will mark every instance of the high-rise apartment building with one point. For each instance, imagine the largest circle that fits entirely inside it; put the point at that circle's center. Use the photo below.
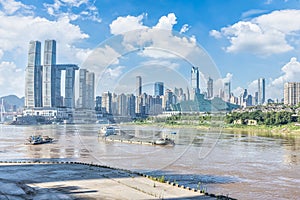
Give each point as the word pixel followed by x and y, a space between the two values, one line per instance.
pixel 158 89
pixel 210 88
pixel 292 93
pixel 261 91
pixel 33 79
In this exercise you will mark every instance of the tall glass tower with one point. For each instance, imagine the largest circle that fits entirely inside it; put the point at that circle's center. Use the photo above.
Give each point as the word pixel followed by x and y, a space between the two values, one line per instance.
pixel 33 79
pixel 49 74
pixel 261 91
pixel 158 89
pixel 227 91
pixel 210 88
pixel 195 82
pixel 138 86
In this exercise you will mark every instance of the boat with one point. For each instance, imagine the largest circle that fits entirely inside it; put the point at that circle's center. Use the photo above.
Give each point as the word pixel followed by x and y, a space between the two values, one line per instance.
pixel 38 139
pixel 164 141
pixel 108 130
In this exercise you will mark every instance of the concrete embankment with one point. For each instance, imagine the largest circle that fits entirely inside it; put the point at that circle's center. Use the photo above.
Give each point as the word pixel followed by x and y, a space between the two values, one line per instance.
pixel 76 180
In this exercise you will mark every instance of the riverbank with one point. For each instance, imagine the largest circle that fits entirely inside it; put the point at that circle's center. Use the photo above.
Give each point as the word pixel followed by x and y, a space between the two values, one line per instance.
pixel 262 130
pixel 69 180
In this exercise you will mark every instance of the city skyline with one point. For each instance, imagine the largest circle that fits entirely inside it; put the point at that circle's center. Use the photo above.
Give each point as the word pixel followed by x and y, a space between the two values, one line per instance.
pixel 271 50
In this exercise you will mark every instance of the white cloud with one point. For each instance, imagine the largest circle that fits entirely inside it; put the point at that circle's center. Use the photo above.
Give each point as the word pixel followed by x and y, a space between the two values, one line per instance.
pixel 10 7
pixel 215 34
pixel 238 91
pixel 252 12
pixel 166 22
pixel 16 32
pixel 152 39
pixel 125 24
pixel 184 28
pixel 219 83
pixel 264 35
pixel 100 59
pixel 160 43
pixel 36 28
pixel 253 87
pixel 12 75
pixel 70 9
pixel 291 73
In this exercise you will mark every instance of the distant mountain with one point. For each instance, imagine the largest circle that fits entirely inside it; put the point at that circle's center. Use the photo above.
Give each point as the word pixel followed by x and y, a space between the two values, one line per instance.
pixel 12 101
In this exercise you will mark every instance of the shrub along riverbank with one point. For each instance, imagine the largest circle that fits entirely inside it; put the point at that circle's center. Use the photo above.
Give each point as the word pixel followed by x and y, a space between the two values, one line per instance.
pixel 283 123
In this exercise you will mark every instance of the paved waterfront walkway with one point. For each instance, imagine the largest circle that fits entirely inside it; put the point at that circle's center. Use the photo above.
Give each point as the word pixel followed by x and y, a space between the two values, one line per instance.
pixel 78 181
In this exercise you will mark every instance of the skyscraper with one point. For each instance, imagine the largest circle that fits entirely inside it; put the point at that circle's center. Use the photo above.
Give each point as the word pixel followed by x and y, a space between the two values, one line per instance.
pixel 122 105
pixel 90 90
pixel 86 89
pixel 227 91
pixel 158 89
pixel 106 102
pixel 261 91
pixel 69 84
pixel 138 86
pixel 292 93
pixel 33 79
pixel 210 88
pixel 195 80
pixel 50 83
pixel 43 82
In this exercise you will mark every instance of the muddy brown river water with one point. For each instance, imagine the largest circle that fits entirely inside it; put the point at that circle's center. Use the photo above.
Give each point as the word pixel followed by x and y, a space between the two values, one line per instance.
pixel 243 166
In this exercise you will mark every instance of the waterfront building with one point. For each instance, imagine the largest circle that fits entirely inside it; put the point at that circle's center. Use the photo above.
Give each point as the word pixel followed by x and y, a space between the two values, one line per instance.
pixel 86 89
pixel 168 100
pixel 98 103
pixel 33 77
pixel 138 105
pixel 107 102
pixel 131 105
pixel 90 90
pixel 292 93
pixel 261 91
pixel 122 105
pixel 158 89
pixel 155 105
pixel 210 88
pixel 49 74
pixel 195 82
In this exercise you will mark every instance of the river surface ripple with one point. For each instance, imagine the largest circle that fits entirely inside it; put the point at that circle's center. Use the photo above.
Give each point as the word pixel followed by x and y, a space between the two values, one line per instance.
pixel 243 166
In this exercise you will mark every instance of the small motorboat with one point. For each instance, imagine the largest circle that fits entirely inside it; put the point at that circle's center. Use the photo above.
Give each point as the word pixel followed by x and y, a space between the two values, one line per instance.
pixel 38 139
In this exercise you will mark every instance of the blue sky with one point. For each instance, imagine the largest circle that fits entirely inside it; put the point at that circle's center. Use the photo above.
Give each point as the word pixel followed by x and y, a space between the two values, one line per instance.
pixel 245 39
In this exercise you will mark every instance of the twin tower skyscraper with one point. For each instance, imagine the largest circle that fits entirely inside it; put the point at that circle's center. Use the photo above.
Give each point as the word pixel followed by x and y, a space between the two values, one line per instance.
pixel 43 81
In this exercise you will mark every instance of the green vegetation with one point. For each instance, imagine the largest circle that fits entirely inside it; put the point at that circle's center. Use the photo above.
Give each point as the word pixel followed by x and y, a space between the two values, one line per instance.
pixel 262 118
pixel 267 120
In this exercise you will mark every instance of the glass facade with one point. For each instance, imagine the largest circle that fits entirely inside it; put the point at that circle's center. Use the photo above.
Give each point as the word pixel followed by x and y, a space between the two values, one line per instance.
pixel 33 78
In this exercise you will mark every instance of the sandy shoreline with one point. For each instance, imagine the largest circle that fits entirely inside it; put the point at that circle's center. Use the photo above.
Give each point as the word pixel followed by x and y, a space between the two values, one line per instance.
pixel 68 180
